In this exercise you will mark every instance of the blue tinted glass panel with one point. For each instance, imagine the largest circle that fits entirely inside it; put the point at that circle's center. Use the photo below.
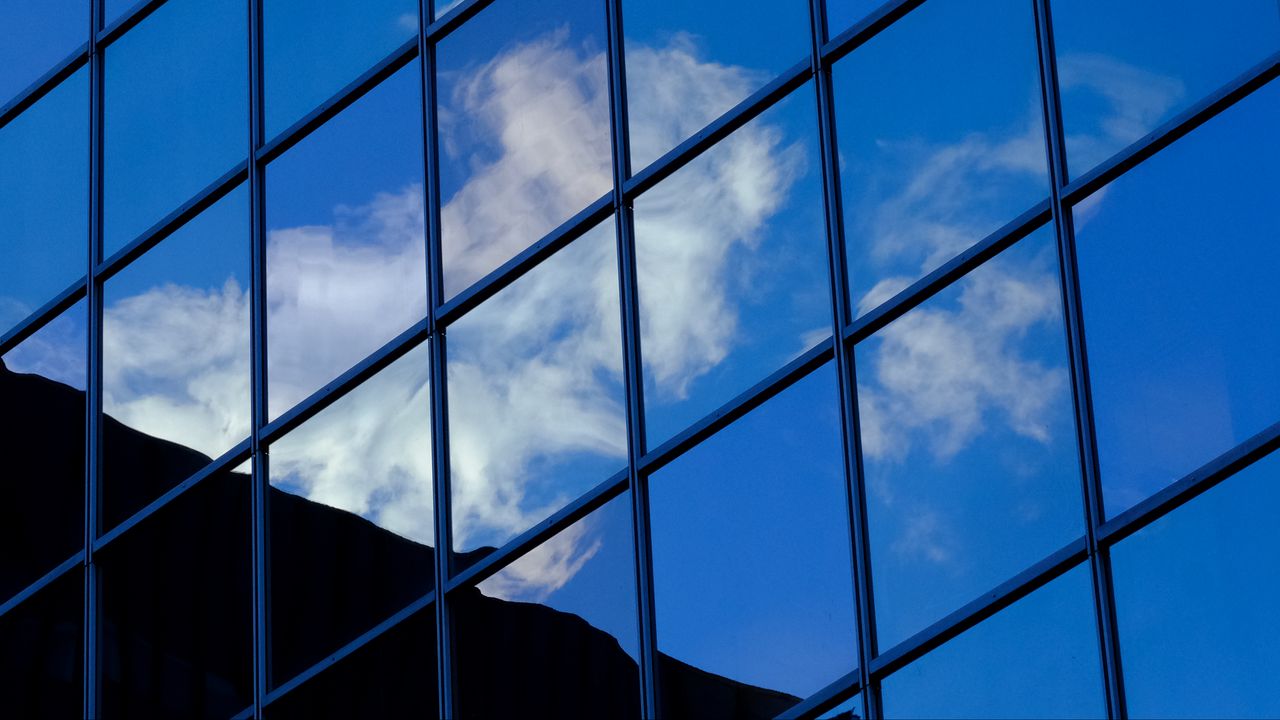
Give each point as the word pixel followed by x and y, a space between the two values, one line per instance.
pixel 36 35
pixel 535 394
pixel 732 266
pixel 850 709
pixel 1037 658
pixel 689 62
pixel 1126 67
pixel 1177 272
pixel 346 244
pixel 1208 577
pixel 556 629
pixel 175 357
pixel 42 416
pixel 751 562
pixel 44 199
pixel 841 14
pixel 313 49
pixel 524 129
pixel 968 439
pixel 42 651
pixel 115 9
pixel 175 103
pixel 937 149
pixel 351 515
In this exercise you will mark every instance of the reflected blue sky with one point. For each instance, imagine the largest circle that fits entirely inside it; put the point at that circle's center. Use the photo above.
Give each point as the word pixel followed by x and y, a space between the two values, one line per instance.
pixel 1210 575
pixel 35 35
pixel 751 561
pixel 57 350
pixel 1177 273
pixel 44 195
pixel 968 439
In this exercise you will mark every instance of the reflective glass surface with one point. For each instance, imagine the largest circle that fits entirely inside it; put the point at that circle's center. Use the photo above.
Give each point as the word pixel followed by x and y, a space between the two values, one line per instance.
pixel 556 629
pixel 1037 658
pixel 751 560
pixel 42 433
pixel 1126 67
pixel 536 413
pixel 1211 572
pixel 937 149
pixel 346 244
pixel 42 652
pixel 176 607
pixel 44 196
pixel 968 439
pixel 689 62
pixel 1177 272
pixel 175 357
pixel 175 100
pixel 313 49
pixel 391 677
pixel 36 36
pixel 731 260
pixel 351 516
pixel 524 129
pixel 841 14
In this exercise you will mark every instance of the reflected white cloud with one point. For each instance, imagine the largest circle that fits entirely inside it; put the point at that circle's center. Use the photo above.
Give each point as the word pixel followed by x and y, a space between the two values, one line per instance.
pixel 547 568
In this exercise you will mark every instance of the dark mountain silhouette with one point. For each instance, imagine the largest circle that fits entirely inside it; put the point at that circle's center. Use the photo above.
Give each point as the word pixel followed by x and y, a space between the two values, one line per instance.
pixel 176 600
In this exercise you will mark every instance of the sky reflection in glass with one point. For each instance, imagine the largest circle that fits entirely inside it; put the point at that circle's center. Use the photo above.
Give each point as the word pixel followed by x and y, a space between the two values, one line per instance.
pixel 35 35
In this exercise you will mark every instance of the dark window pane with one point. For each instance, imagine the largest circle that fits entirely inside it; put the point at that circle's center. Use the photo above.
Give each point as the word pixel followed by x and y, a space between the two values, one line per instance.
pixel 968 439
pixel 42 433
pixel 535 394
pixel 176 609
pixel 44 196
pixel 751 561
pixel 346 247
pixel 1177 272
pixel 1037 658
pixel 175 358
pixel 351 516
pixel 394 676
pixel 556 629
pixel 1196 597
pixel 176 109
pixel 941 139
pixel 42 652
pixel 1126 67
pixel 732 266
pixel 690 62
pixel 37 35
pixel 524 129
pixel 313 49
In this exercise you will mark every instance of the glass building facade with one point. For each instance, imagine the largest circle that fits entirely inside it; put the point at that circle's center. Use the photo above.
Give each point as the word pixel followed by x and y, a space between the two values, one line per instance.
pixel 639 358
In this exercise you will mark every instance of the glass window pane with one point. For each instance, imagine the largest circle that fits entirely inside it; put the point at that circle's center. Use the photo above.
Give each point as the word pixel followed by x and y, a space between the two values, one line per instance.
pixel 44 199
pixel 968 439
pixel 536 414
pixel 314 49
pixel 116 9
pixel 940 148
pixel 42 652
pixel 753 580
pixel 731 260
pixel 176 111
pixel 1126 67
pixel 1196 596
pixel 524 129
pixel 352 526
pixel 175 357
pixel 393 676
pixel 1037 658
pixel 346 241
pixel 841 14
pixel 176 605
pixel 37 35
pixel 850 709
pixel 556 629
pixel 42 383
pixel 1177 274
pixel 690 62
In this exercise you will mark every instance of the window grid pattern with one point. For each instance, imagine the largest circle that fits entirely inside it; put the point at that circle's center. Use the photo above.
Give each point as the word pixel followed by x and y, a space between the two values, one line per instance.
pixel 876 663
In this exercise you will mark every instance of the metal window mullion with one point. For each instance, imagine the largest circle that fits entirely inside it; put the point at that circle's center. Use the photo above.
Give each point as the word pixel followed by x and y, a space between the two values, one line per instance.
pixel 1099 558
pixel 93 399
pixel 624 226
